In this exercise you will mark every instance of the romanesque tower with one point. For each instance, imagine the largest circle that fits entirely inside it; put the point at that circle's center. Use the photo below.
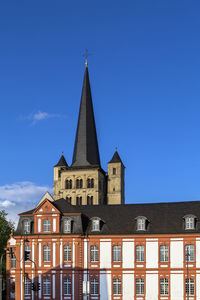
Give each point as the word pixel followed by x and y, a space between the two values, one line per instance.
pixel 85 182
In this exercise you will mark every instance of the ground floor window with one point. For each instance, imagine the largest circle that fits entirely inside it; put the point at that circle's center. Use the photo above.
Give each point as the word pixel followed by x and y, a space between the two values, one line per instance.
pixel 94 286
pixel 139 286
pixel 164 286
pixel 67 286
pixel 27 286
pixel 189 287
pixel 116 286
pixel 46 286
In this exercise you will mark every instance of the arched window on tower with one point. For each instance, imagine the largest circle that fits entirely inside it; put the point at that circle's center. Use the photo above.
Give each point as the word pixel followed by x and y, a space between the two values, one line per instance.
pixel 89 200
pixel 68 184
pixel 69 199
pixel 90 183
pixel 79 200
pixel 79 183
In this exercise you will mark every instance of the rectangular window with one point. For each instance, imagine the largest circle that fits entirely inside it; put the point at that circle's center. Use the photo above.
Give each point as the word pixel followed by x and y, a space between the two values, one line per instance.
pixel 27 286
pixel 13 262
pixel 189 223
pixel 95 225
pixel 27 253
pixel 141 222
pixel 27 226
pixel 139 286
pixel 164 286
pixel 139 253
pixel 67 286
pixel 116 253
pixel 46 253
pixel 67 253
pixel 114 171
pixel 47 226
pixel 46 286
pixel 94 253
pixel 189 287
pixel 67 226
pixel 164 253
pixel 189 253
pixel 116 286
pixel 94 286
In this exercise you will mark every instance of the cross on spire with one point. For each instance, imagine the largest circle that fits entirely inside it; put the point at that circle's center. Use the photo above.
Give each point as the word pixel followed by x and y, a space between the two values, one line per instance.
pixel 86 54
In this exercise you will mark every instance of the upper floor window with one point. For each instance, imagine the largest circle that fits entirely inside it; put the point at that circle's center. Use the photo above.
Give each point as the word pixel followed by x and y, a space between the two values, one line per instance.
pixel 116 253
pixel 189 287
pixel 27 286
pixel 79 200
pixel 68 184
pixel 69 199
pixel 114 171
pixel 164 253
pixel 27 226
pixel 139 253
pixel 117 286
pixel 46 286
pixel 164 286
pixel 46 225
pixel 13 262
pixel 67 284
pixel 141 223
pixel 189 253
pixel 139 286
pixel 189 222
pixel 89 200
pixel 79 183
pixel 94 286
pixel 27 253
pixel 95 225
pixel 67 253
pixel 67 226
pixel 90 182
pixel 47 253
pixel 94 253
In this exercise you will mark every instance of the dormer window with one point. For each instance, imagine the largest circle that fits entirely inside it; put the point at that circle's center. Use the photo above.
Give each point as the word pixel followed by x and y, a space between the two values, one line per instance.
pixel 67 226
pixel 141 223
pixel 27 226
pixel 47 226
pixel 95 225
pixel 189 222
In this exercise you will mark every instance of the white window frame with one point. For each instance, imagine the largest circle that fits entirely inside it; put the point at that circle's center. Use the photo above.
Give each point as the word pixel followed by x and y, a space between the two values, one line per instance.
pixel 46 286
pixel 139 286
pixel 46 253
pixel 189 286
pixel 27 226
pixel 67 251
pixel 117 249
pixel 46 225
pixel 67 286
pixel 164 286
pixel 139 253
pixel 164 253
pixel 189 253
pixel 27 286
pixel 94 286
pixel 95 225
pixel 67 226
pixel 117 286
pixel 189 223
pixel 94 253
pixel 27 249
pixel 141 224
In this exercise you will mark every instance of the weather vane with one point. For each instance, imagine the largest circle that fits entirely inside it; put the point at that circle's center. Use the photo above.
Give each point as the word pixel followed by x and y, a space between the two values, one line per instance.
pixel 86 54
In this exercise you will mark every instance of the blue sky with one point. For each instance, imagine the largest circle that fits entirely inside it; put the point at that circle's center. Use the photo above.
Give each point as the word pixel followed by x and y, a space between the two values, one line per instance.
pixel 144 72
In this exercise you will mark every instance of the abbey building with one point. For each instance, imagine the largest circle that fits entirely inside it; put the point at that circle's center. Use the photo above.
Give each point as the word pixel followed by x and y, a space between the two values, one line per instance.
pixel 84 243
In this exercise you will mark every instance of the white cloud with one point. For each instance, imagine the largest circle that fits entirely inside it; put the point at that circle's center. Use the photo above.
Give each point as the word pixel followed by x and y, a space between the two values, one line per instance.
pixel 40 116
pixel 20 196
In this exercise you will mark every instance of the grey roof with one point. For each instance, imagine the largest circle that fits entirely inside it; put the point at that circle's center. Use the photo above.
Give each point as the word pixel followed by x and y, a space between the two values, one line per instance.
pixel 162 218
pixel 86 151
pixel 62 162
pixel 116 158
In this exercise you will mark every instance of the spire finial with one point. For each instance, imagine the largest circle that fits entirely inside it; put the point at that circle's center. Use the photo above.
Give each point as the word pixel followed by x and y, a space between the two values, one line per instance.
pixel 116 148
pixel 86 54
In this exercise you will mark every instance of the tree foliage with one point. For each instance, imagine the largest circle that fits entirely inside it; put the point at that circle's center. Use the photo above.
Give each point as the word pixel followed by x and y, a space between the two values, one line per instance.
pixel 5 230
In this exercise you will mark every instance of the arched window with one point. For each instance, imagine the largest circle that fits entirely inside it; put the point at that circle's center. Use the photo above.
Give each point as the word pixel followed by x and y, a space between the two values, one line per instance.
pixel 68 184
pixel 95 224
pixel 78 200
pixel 141 223
pixel 190 221
pixel 90 183
pixel 69 199
pixel 89 200
pixel 79 183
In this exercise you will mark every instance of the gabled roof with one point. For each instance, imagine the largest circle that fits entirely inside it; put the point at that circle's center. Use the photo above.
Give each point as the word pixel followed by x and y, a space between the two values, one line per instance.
pixel 62 162
pixel 86 150
pixel 116 158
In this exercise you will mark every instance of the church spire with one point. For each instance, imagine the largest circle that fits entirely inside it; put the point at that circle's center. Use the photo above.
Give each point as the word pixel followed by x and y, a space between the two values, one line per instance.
pixel 86 151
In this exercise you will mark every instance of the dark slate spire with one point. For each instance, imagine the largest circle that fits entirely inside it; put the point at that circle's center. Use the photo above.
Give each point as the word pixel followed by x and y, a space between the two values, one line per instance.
pixel 116 158
pixel 86 151
pixel 62 162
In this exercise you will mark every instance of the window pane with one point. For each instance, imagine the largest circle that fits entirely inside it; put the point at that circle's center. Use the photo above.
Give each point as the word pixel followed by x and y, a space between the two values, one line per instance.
pixel 116 286
pixel 189 253
pixel 164 286
pixel 67 286
pixel 139 253
pixel 27 286
pixel 164 253
pixel 47 226
pixel 139 286
pixel 46 286
pixel 94 286
pixel 116 253
pixel 67 253
pixel 46 253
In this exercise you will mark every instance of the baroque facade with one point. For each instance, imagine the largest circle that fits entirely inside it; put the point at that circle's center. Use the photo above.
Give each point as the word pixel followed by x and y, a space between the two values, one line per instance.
pixel 86 243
